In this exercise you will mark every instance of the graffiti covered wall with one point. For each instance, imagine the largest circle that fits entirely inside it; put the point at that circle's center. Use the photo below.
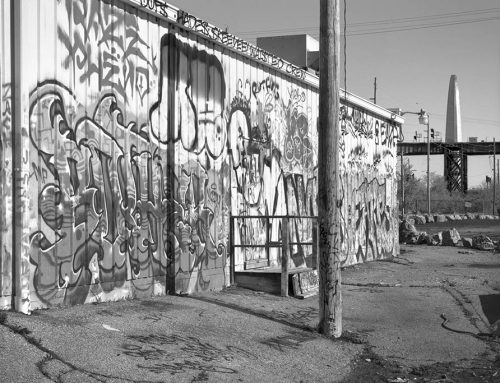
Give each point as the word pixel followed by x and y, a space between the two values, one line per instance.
pixel 5 159
pixel 143 138
pixel 368 187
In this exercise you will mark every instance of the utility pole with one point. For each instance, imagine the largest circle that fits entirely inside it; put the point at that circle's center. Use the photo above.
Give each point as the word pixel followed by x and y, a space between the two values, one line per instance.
pixel 428 168
pixel 374 98
pixel 494 176
pixel 330 297
pixel 498 170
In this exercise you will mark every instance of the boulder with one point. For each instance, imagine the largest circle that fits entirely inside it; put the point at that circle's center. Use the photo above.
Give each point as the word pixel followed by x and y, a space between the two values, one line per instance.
pixel 422 238
pixel 439 218
pixel 436 239
pixel 412 239
pixel 407 231
pixel 450 237
pixel 429 218
pixel 419 219
pixel 470 216
pixel 450 217
pixel 431 241
pixel 481 216
pixel 467 242
pixel 482 242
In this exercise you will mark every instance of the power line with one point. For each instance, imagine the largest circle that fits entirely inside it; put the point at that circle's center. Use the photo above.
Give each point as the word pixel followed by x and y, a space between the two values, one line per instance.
pixel 395 21
pixel 423 26
pixel 426 18
pixel 381 22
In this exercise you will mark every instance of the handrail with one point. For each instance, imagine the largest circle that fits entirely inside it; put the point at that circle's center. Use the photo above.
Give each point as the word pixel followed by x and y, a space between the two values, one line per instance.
pixel 284 243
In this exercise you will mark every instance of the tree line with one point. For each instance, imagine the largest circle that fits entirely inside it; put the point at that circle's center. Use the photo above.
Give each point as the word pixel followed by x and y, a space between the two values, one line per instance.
pixel 476 200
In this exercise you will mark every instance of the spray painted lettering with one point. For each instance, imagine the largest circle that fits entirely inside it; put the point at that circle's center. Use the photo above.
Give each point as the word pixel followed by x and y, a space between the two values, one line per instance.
pixel 146 139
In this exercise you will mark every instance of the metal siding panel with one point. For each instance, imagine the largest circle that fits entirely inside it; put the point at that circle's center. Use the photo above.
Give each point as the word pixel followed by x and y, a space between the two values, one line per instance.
pixel 5 157
pixel 120 224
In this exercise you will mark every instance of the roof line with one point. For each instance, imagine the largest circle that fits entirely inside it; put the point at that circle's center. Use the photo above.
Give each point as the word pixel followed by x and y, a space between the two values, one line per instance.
pixel 189 22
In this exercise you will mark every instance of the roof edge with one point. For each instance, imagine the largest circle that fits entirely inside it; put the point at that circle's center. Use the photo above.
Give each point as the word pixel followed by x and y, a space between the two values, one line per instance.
pixel 189 22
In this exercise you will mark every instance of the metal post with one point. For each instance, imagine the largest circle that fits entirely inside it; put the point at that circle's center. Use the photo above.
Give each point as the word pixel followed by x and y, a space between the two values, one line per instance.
pixel 267 241
pixel 428 168
pixel 494 177
pixel 402 183
pixel 231 250
pixel 330 297
pixel 20 163
pixel 285 251
pixel 498 170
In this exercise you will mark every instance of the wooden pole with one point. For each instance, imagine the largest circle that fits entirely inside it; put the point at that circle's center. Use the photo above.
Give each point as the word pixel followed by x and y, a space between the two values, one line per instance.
pixel 285 251
pixel 330 297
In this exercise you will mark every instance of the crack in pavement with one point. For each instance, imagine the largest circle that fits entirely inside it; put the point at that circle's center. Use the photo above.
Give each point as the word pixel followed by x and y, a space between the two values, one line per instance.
pixel 57 376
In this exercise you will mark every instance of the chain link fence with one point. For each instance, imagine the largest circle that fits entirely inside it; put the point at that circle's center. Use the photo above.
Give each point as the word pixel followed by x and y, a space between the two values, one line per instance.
pixel 455 206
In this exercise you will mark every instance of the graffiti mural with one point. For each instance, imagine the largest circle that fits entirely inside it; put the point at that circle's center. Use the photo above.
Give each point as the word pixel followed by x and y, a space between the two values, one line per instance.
pixel 368 187
pixel 114 209
pixel 104 44
pixel 148 137
pixel 272 153
pixel 6 163
pixel 6 192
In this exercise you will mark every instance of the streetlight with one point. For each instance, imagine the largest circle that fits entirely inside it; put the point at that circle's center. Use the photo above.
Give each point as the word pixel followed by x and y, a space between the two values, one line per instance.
pixel 423 119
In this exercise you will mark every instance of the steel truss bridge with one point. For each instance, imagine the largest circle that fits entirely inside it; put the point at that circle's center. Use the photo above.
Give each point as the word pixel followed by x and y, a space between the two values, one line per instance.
pixel 455 157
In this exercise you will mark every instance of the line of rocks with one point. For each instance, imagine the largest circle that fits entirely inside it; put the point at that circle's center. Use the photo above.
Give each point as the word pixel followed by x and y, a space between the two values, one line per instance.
pixel 422 219
pixel 408 234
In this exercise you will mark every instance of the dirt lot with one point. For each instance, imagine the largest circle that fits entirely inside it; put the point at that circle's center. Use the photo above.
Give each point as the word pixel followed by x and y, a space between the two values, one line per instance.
pixel 466 228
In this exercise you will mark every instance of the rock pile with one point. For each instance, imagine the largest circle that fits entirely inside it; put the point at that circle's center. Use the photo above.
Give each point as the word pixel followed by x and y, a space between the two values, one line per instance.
pixel 410 235
pixel 420 219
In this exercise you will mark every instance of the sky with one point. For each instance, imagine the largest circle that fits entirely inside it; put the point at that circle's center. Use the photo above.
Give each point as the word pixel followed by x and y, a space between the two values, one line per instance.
pixel 411 47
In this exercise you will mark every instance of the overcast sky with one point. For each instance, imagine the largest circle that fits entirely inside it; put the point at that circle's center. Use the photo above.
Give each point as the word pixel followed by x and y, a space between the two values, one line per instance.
pixel 412 47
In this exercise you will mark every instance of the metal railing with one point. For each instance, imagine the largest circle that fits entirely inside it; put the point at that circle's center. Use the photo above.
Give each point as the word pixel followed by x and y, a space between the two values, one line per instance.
pixel 284 243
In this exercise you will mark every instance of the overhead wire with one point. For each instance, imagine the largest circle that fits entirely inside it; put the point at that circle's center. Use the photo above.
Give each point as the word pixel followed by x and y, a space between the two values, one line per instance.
pixel 428 17
pixel 391 22
pixel 423 26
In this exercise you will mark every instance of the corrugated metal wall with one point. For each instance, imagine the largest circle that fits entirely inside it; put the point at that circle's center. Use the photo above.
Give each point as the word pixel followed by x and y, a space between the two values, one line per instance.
pixel 5 158
pixel 141 138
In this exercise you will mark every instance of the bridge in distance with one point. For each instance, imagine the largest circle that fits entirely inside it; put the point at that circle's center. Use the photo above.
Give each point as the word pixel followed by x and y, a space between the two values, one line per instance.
pixel 455 157
pixel 466 148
